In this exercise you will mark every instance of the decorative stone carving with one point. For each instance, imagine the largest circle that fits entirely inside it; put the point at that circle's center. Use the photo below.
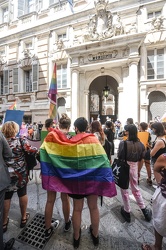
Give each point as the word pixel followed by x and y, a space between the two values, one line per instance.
pixel 59 44
pixel 2 60
pixel 117 26
pixel 100 25
pixel 133 28
pixel 27 53
pixel 157 23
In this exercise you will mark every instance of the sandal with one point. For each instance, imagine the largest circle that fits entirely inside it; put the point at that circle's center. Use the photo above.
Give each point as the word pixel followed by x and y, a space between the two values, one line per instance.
pixel 24 221
pixel 5 225
pixel 149 182
pixel 147 247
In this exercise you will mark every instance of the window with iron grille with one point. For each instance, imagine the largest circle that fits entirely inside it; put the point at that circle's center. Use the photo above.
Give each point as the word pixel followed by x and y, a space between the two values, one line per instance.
pixel 62 76
pixel 155 64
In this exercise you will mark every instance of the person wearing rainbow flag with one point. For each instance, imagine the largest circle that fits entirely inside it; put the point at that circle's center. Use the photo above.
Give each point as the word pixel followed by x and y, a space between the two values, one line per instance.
pixel 79 167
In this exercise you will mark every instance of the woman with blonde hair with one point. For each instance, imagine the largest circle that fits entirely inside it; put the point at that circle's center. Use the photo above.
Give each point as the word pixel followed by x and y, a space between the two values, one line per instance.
pixel 18 172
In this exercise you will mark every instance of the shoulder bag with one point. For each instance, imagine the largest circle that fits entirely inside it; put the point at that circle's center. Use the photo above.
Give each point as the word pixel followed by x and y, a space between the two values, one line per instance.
pixel 121 169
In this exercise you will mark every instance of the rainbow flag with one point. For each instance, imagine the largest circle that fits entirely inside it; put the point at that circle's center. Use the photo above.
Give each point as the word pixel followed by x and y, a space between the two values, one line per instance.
pixel 52 95
pixel 76 166
pixel 13 106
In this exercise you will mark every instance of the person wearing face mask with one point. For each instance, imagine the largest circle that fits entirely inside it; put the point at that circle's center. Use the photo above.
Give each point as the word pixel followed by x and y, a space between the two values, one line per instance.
pixel 158 147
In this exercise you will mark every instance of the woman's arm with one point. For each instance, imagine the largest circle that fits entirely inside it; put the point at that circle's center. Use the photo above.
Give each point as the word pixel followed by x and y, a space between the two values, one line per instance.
pixel 159 144
pixel 159 164
pixel 7 152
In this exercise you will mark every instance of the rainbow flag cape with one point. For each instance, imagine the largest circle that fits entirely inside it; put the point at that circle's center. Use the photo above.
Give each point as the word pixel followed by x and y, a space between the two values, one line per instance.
pixel 76 166
pixel 52 95
pixel 13 106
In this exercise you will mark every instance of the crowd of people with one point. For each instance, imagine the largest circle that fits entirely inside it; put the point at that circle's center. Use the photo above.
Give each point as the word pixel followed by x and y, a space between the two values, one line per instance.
pixel 71 160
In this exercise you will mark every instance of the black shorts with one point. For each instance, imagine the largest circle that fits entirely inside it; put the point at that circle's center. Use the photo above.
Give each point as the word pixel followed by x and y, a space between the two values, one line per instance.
pixel 147 155
pixel 77 196
pixel 20 192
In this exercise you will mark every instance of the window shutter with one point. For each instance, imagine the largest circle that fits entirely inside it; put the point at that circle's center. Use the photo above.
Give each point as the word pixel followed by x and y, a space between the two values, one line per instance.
pixel 35 70
pixel 6 82
pixel 21 7
pixel 15 80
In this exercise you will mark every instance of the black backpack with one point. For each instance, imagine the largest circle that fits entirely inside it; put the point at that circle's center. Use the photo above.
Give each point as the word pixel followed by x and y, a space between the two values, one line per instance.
pixel 108 148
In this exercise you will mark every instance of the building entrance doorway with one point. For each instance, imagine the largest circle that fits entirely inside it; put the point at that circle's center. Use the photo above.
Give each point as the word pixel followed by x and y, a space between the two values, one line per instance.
pixel 103 99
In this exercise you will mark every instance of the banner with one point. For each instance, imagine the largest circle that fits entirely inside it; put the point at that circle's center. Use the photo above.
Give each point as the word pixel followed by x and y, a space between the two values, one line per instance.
pixel 14 115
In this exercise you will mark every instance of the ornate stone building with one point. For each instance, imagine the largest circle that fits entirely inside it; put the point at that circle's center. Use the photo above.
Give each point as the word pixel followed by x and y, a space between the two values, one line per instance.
pixel 114 45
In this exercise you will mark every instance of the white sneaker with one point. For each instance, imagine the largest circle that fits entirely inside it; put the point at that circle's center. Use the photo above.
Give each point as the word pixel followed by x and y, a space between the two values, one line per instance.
pixel 55 224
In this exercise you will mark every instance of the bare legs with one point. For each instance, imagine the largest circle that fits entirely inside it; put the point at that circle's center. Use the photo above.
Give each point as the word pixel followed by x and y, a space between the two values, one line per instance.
pixel 65 206
pixel 23 206
pixel 158 241
pixel 94 213
pixel 23 201
pixel 77 212
pixel 148 168
pixel 51 196
pixel 76 217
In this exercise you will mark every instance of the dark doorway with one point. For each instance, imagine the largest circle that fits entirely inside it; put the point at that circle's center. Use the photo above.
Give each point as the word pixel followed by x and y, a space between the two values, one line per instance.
pixel 101 106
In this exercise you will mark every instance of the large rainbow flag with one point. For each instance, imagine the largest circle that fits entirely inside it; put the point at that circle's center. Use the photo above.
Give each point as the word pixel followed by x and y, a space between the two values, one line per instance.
pixel 76 166
pixel 52 95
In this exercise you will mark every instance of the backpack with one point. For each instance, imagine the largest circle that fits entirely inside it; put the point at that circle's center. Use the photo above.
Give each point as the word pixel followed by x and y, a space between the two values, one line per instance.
pixel 30 159
pixel 108 148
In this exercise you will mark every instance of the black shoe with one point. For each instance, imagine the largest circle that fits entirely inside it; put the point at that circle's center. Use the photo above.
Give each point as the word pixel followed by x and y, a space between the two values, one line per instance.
pixel 9 244
pixel 125 215
pixel 147 213
pixel 95 239
pixel 76 243
pixel 49 232
pixel 67 226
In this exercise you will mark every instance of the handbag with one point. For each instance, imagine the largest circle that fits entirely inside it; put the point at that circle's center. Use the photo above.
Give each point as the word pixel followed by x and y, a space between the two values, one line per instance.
pixel 121 169
pixel 30 158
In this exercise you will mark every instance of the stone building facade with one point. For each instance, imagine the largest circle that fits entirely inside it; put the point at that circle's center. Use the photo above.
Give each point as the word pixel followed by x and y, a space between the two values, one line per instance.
pixel 116 44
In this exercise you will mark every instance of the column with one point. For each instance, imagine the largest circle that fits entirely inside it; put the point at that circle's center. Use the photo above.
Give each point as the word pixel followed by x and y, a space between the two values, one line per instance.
pixel 144 102
pixel 132 87
pixel 123 96
pixel 86 93
pixel 74 93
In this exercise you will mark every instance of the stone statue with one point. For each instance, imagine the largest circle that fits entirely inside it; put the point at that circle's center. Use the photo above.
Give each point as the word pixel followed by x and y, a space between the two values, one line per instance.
pixel 100 25
pixel 157 23
pixel 117 26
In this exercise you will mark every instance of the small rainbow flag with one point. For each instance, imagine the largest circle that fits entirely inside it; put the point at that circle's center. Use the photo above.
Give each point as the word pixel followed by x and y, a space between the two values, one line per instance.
pixel 76 166
pixel 13 106
pixel 52 95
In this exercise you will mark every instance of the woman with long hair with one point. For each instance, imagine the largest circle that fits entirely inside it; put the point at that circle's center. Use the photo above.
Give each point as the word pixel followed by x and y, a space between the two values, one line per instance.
pixel 135 151
pixel 110 133
pixel 96 129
